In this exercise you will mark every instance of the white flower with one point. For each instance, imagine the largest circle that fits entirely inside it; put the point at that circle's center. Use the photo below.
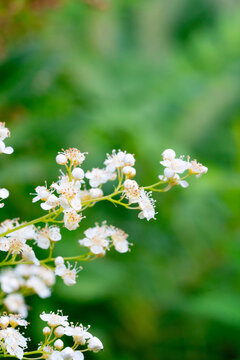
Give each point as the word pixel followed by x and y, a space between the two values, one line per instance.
pixel 55 319
pixel 4 132
pixel 38 286
pixel 5 149
pixel 146 204
pixel 4 193
pixel 69 354
pixel 10 281
pixel 95 193
pixel 98 177
pixel 197 168
pixel 95 344
pixel 14 342
pixel 42 193
pixel 118 160
pixel 175 166
pixel 79 333
pixel 75 156
pixel 51 202
pixel 15 304
pixel 8 225
pixel 67 273
pixel 69 193
pixel 176 180
pixel 119 239
pixel 47 234
pixel 71 219
pixel 97 239
pixel 131 190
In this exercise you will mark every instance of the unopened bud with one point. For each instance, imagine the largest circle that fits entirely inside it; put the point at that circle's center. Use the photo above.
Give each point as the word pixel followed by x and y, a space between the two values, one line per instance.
pixel 58 344
pixel 46 331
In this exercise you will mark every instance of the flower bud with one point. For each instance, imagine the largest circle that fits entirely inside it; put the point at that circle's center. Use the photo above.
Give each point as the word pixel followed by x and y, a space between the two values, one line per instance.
pixel 78 173
pixel 61 159
pixel 95 193
pixel 169 154
pixel 59 260
pixel 58 344
pixel 95 344
pixel 129 160
pixel 46 330
pixel 4 322
pixel 129 171
pixel 59 331
pixel 67 353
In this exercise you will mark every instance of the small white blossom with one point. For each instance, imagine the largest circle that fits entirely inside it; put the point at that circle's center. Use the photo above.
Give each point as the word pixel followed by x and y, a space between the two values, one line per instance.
pixel 118 160
pixel 67 273
pixel 42 193
pixel 131 190
pixel 98 177
pixel 51 202
pixel 197 168
pixel 75 156
pixel 146 204
pixel 69 193
pixel 5 149
pixel 79 333
pixel 47 234
pixel 119 239
pixel 55 319
pixel 4 132
pixel 14 342
pixel 71 219
pixel 97 239
pixel 15 304
pixel 4 193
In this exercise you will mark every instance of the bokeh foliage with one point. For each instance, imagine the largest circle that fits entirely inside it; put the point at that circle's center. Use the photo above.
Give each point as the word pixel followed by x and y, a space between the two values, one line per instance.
pixel 141 76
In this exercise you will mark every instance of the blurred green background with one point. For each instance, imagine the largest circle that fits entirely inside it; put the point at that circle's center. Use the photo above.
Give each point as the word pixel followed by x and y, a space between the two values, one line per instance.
pixel 140 75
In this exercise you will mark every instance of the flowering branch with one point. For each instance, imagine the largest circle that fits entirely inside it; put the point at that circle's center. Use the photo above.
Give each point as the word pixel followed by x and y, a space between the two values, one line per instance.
pixel 65 201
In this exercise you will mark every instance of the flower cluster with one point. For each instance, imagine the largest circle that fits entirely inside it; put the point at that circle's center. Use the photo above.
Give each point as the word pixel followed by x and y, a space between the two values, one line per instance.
pixel 27 280
pixel 14 343
pixel 99 239
pixel 175 166
pixel 60 326
pixel 28 272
